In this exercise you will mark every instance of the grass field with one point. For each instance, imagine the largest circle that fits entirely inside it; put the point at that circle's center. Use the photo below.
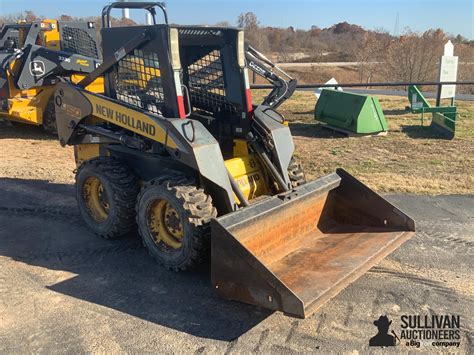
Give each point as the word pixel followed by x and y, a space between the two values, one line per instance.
pixel 411 158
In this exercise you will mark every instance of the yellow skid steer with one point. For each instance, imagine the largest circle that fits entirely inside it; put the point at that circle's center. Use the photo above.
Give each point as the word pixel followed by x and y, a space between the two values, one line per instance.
pixel 182 155
pixel 34 57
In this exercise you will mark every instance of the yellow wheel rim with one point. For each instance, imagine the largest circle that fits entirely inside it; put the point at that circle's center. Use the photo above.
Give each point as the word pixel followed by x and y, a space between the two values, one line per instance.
pixel 165 225
pixel 96 199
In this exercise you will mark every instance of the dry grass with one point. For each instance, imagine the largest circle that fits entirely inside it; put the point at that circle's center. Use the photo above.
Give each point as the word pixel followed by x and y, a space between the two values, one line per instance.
pixel 409 159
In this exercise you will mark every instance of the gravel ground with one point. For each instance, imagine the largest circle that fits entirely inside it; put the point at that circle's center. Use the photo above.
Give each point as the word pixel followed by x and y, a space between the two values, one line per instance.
pixel 64 290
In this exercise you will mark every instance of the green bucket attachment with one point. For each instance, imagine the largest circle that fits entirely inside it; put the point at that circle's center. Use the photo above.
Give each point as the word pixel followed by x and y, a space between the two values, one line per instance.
pixel 445 123
pixel 444 117
pixel 350 113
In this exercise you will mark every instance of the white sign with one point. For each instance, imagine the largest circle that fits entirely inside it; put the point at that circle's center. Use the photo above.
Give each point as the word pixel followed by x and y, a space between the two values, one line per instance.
pixel 332 81
pixel 449 49
pixel 448 71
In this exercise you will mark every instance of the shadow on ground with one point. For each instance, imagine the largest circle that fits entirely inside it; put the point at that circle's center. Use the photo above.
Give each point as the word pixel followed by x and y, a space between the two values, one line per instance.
pixel 396 112
pixel 313 130
pixel 42 227
pixel 425 132
pixel 23 131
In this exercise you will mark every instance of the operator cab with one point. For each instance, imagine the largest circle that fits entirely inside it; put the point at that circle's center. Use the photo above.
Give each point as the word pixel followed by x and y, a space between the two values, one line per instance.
pixel 192 72
pixel 195 72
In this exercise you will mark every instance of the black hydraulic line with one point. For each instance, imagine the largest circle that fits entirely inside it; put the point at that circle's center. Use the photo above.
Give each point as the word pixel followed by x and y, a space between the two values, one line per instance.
pixel 116 136
pixel 257 148
pixel 349 85
pixel 237 191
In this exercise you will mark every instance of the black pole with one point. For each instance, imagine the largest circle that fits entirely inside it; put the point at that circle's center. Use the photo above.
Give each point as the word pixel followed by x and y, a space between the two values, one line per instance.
pixel 438 95
pixel 324 85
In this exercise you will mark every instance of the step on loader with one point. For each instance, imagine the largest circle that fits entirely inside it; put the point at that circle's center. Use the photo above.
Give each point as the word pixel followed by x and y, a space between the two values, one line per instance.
pixel 187 159
pixel 34 57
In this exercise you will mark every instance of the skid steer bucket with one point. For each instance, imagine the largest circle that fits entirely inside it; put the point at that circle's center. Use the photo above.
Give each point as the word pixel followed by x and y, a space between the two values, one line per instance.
pixel 294 252
pixel 350 113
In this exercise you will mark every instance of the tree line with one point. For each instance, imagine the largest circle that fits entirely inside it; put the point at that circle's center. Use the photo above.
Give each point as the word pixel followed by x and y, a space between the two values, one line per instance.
pixel 412 56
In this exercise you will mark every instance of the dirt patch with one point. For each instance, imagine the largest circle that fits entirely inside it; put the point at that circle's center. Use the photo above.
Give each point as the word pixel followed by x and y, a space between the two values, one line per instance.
pixel 28 152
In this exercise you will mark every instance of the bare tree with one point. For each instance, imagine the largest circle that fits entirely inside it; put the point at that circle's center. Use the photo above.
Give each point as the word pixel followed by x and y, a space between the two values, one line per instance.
pixel 369 53
pixel 414 57
pixel 223 24
pixel 249 22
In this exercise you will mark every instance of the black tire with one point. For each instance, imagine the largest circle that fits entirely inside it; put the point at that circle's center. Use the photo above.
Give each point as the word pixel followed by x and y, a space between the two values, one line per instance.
pixel 121 189
pixel 24 126
pixel 195 211
pixel 49 118
pixel 296 173
pixel 19 124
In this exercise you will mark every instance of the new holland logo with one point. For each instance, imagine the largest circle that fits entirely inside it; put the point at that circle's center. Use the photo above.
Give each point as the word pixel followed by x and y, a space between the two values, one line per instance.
pixel 37 68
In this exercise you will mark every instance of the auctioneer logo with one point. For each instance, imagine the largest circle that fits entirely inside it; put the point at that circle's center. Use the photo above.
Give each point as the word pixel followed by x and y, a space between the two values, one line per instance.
pixel 419 330
pixel 382 338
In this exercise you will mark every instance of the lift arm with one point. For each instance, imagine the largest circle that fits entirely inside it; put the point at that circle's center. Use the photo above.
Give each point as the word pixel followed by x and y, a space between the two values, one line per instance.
pixel 283 84
pixel 41 65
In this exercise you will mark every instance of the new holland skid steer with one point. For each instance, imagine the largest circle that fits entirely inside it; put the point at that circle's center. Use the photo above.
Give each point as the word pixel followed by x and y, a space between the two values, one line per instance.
pixel 190 162
pixel 34 57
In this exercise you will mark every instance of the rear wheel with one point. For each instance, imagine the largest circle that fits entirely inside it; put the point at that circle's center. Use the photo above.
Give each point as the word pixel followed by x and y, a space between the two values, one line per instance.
pixel 173 219
pixel 49 118
pixel 106 192
pixel 296 173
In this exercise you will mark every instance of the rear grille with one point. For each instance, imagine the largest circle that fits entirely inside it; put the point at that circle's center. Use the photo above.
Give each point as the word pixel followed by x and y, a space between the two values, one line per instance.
pixel 78 41
pixel 200 32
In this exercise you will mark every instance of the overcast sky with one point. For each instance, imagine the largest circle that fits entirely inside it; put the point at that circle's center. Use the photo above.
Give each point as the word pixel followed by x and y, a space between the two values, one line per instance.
pixel 453 16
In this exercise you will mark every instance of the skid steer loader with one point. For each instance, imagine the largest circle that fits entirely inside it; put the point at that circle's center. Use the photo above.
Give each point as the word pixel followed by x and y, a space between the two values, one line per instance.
pixel 193 164
pixel 34 57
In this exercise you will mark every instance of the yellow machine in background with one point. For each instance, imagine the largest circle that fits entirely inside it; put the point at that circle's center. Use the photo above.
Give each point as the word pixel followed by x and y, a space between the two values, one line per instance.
pixel 140 72
pixel 35 57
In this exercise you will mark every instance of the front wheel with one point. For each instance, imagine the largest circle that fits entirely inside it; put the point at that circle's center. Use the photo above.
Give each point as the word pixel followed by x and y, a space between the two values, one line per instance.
pixel 173 220
pixel 296 173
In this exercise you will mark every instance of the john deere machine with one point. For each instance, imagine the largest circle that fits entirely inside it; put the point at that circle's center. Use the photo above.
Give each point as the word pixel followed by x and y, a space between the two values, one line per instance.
pixel 34 57
pixel 191 163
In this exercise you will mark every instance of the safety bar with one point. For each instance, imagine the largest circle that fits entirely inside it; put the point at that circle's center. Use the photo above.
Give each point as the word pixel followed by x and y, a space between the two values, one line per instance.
pixel 149 6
